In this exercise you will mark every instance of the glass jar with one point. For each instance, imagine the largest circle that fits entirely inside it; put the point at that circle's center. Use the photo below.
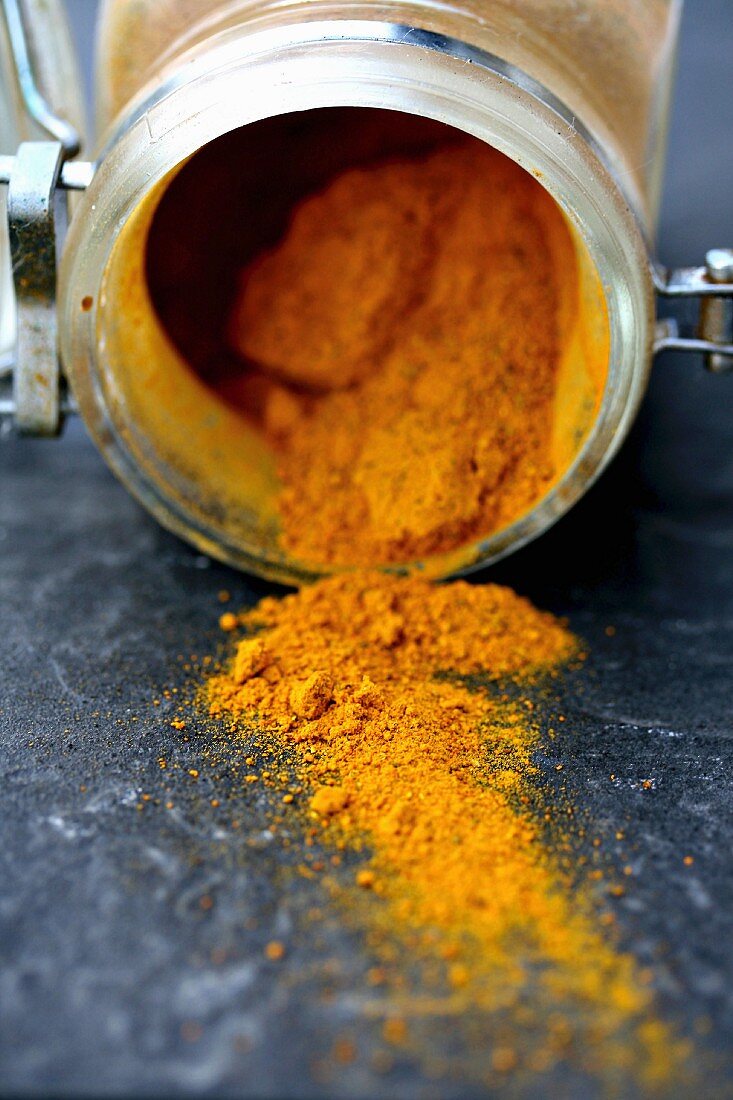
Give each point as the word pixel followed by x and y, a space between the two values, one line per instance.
pixel 204 105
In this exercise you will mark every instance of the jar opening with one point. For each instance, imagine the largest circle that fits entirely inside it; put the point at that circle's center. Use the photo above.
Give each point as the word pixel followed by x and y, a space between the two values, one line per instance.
pixel 193 312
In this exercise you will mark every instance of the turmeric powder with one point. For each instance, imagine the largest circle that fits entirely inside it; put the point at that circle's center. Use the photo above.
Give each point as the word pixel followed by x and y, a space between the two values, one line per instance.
pixel 403 341
pixel 403 346
pixel 432 777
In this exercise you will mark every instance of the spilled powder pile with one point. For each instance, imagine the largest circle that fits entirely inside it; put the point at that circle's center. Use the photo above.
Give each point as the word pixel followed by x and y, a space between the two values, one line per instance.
pixel 403 345
pixel 361 680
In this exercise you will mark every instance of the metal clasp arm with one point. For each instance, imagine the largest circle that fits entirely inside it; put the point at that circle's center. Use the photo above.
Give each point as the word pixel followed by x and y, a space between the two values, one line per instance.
pixel 75 175
pixel 712 286
pixel 38 108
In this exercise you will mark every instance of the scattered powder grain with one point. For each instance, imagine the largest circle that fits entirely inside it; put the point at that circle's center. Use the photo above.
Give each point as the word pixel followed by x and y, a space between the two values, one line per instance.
pixel 432 778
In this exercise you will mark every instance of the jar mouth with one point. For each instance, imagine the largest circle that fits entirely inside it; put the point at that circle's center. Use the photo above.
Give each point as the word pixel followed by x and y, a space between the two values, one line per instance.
pixel 145 432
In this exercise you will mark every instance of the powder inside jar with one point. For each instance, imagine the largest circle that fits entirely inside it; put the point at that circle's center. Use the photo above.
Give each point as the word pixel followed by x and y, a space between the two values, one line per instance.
pixel 402 343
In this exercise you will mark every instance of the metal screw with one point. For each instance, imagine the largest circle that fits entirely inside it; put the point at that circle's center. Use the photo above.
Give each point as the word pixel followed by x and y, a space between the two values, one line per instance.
pixel 716 314
pixel 719 263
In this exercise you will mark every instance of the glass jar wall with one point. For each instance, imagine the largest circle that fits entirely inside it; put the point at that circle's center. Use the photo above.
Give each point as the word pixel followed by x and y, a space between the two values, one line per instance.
pixel 206 109
pixel 610 62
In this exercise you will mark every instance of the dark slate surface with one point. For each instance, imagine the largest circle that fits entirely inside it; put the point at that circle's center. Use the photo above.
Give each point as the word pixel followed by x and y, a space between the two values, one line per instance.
pixel 114 977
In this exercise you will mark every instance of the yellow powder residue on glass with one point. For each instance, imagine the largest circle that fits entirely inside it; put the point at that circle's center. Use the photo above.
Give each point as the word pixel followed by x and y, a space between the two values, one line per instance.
pixel 361 679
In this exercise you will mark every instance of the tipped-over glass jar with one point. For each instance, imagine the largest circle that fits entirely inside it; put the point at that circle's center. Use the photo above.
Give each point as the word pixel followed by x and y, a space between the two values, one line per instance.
pixel 215 118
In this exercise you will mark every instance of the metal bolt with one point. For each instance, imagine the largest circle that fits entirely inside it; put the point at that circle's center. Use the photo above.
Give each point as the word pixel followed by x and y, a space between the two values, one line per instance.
pixel 716 314
pixel 719 263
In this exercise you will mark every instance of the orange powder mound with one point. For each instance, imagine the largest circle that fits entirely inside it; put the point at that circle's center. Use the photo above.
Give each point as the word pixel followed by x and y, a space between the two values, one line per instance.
pixel 403 347
pixel 361 679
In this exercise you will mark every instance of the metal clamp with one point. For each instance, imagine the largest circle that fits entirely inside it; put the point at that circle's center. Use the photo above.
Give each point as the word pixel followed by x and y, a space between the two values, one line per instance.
pixel 37 185
pixel 32 209
pixel 712 286
pixel 38 177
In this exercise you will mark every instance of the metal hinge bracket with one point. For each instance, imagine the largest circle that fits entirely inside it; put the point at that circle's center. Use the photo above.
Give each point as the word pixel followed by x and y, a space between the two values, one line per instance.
pixel 712 287
pixel 32 390
pixel 37 180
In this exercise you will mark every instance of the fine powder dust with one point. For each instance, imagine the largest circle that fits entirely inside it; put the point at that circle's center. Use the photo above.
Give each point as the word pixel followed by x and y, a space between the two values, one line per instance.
pixel 402 344
pixel 361 680
pixel 402 347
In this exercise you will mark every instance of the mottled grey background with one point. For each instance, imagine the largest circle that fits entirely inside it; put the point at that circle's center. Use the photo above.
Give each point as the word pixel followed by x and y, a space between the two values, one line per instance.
pixel 115 980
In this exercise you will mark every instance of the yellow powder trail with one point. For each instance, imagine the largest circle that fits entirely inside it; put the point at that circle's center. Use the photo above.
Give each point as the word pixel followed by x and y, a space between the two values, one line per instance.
pixel 434 779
